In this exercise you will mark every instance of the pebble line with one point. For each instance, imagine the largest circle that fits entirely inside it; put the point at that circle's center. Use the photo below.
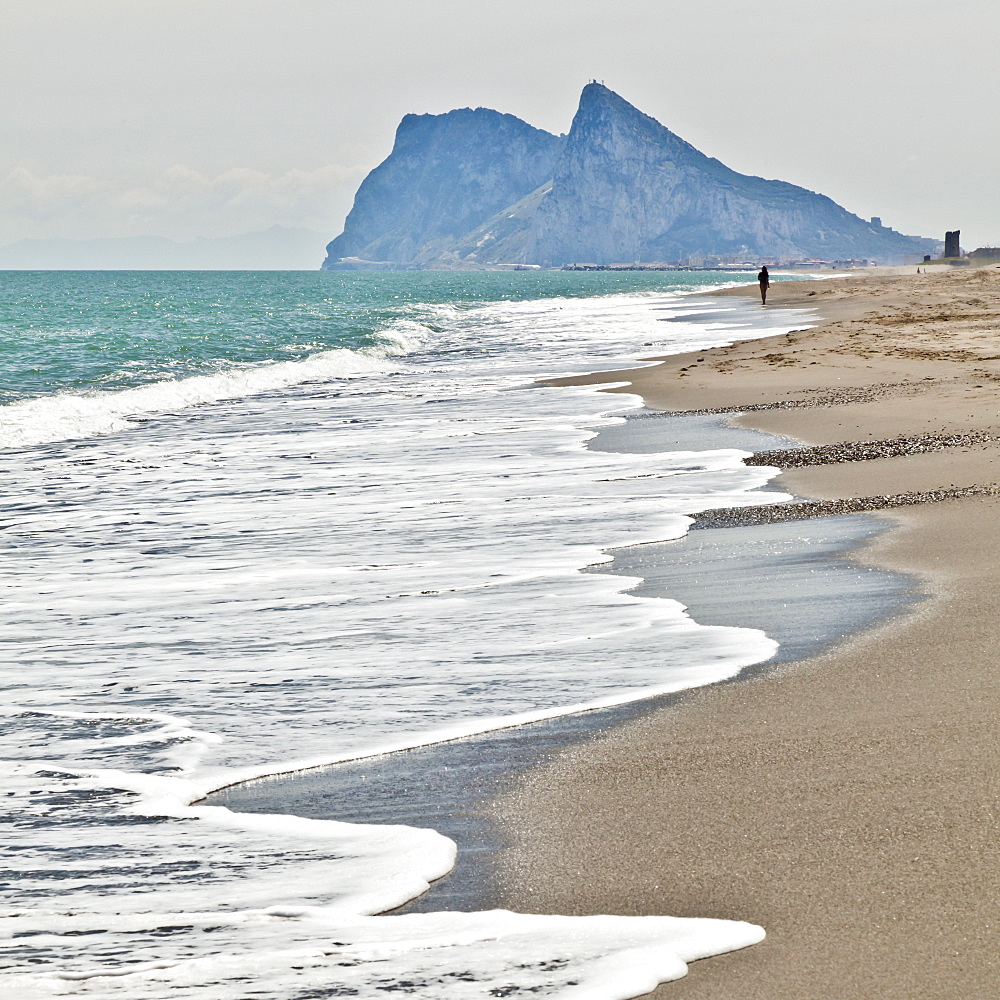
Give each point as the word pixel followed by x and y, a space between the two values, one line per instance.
pixel 738 517
pixel 863 451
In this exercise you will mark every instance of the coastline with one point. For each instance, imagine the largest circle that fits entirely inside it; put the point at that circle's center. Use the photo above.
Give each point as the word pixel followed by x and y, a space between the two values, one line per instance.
pixel 291 686
pixel 845 802
pixel 774 572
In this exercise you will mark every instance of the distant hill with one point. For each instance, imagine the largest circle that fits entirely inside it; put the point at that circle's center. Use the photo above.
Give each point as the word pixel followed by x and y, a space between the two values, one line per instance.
pixel 275 249
pixel 474 187
pixel 446 174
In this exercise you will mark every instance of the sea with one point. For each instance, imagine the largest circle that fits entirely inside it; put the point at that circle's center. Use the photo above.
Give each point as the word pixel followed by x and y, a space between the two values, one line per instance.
pixel 257 522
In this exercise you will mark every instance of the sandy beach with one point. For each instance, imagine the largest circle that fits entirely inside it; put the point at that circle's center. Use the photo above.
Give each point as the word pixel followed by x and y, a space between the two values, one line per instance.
pixel 847 803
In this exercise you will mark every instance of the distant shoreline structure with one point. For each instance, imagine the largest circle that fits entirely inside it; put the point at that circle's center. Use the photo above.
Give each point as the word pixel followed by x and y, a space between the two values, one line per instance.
pixel 814 265
pixel 740 268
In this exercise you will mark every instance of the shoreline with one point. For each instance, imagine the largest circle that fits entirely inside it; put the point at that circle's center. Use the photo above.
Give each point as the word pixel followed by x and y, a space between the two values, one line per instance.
pixel 443 784
pixel 845 801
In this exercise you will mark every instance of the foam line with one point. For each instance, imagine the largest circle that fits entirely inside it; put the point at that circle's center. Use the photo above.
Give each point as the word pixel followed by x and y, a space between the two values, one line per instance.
pixel 68 416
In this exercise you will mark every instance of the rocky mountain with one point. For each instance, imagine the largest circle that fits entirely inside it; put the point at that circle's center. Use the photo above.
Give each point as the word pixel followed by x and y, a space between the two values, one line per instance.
pixel 475 188
pixel 446 174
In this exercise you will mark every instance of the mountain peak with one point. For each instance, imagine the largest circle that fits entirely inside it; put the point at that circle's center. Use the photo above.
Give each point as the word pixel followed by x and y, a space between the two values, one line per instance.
pixel 597 99
pixel 594 90
pixel 597 93
pixel 604 118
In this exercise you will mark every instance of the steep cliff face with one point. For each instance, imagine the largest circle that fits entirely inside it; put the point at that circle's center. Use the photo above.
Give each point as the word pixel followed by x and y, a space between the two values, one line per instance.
pixel 473 188
pixel 626 188
pixel 446 174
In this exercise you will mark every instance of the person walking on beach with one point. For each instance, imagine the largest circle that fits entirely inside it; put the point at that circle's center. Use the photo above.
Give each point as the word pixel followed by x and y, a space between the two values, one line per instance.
pixel 765 283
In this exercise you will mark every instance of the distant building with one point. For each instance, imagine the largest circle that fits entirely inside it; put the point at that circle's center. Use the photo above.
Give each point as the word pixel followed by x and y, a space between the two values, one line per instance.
pixel 951 246
pixel 876 222
pixel 986 253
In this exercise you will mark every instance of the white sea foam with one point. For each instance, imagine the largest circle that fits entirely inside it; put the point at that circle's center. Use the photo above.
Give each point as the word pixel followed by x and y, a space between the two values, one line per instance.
pixel 521 325
pixel 70 415
pixel 334 571
pixel 441 956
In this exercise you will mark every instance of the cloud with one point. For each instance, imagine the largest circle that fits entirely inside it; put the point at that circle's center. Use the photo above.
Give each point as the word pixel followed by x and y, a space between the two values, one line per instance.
pixel 23 193
pixel 180 202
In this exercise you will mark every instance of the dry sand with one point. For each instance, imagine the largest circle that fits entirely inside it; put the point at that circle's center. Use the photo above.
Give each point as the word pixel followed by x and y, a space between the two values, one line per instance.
pixel 847 803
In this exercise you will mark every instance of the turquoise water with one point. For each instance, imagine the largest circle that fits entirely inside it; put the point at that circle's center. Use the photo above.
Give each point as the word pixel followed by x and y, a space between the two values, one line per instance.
pixel 80 330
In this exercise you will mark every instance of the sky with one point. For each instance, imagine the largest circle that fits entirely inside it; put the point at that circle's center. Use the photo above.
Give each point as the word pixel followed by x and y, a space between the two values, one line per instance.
pixel 212 118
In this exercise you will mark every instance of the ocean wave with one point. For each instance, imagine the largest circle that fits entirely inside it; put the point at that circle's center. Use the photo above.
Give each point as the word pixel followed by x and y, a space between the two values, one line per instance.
pixel 69 415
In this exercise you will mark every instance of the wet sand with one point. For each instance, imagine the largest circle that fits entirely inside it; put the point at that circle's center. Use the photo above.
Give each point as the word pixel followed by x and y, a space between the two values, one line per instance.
pixel 848 803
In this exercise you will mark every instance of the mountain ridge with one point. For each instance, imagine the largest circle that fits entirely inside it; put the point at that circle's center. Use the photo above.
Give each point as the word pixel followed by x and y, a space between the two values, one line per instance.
pixel 622 188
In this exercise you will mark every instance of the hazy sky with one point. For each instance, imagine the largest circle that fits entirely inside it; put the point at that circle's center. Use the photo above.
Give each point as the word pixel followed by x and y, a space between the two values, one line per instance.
pixel 187 118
